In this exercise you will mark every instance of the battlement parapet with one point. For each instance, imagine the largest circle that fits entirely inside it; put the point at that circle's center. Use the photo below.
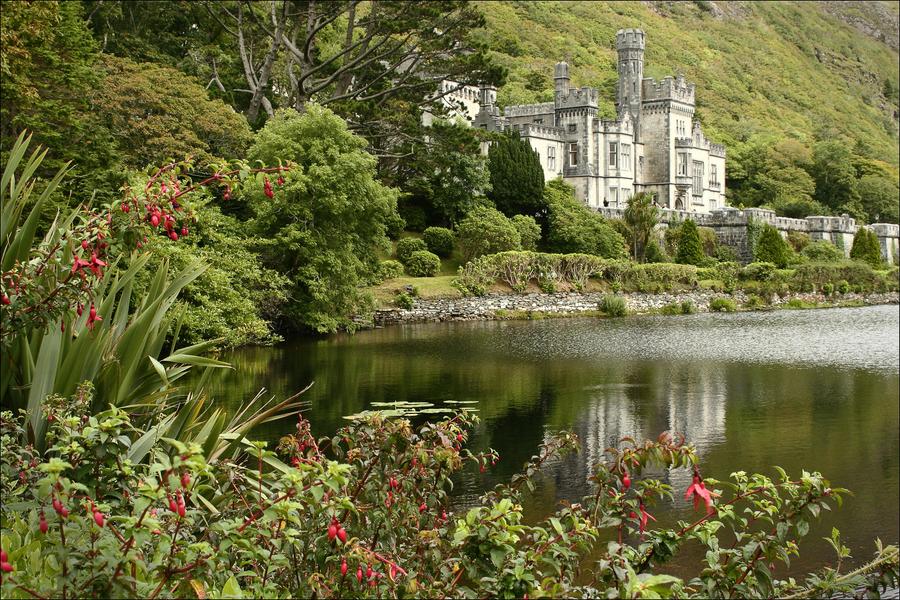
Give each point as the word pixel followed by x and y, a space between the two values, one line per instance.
pixel 669 88
pixel 630 39
pixel 578 98
pixel 843 224
pixel 527 110
pixel 717 149
pixel 885 229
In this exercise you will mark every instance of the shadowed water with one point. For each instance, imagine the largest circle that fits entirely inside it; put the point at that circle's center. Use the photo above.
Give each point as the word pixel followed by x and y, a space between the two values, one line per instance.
pixel 814 389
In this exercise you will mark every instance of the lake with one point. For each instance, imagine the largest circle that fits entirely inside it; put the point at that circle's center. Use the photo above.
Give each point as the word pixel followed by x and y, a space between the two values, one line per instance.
pixel 813 389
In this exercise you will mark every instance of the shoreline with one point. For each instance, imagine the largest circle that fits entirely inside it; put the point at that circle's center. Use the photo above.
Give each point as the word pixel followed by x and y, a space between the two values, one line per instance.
pixel 530 306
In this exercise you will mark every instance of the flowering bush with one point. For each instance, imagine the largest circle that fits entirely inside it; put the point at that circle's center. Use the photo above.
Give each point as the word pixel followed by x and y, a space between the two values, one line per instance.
pixel 366 513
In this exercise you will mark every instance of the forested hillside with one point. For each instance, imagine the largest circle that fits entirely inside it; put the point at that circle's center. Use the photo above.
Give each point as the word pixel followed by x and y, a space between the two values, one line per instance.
pixel 765 71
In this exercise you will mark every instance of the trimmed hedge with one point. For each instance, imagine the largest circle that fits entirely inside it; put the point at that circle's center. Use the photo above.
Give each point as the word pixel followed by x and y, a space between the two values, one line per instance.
pixel 439 240
pixel 423 263
pixel 407 246
pixel 664 274
pixel 390 269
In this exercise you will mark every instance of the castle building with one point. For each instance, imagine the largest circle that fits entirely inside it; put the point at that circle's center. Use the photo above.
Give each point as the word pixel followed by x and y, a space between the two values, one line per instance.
pixel 654 144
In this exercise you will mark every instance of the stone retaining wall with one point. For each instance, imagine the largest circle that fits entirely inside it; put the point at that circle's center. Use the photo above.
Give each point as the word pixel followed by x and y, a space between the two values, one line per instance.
pixel 487 307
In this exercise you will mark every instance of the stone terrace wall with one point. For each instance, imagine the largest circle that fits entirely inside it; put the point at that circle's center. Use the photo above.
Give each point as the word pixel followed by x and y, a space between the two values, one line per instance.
pixel 493 306
pixel 730 225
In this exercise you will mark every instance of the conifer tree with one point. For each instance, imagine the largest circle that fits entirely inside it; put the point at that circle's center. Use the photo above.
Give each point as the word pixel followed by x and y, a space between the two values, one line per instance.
pixel 690 251
pixel 771 247
pixel 866 247
pixel 517 178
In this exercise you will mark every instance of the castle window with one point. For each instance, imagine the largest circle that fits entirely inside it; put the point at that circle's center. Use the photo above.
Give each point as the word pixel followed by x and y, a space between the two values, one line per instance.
pixel 613 154
pixel 551 158
pixel 538 121
pixel 640 165
pixel 697 184
pixel 572 127
pixel 573 155
pixel 682 163
pixel 713 175
pixel 626 157
pixel 614 194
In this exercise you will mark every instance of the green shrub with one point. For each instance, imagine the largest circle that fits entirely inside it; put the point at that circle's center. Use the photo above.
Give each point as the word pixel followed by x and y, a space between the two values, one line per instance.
pixel 758 271
pixel 708 241
pixel 796 303
pixel 688 307
pixel 529 231
pixel 572 227
pixel 475 277
pixel 390 269
pixel 828 289
pixel 613 306
pixel 547 271
pixel 439 240
pixel 513 268
pixel 670 309
pixel 423 263
pixel 798 240
pixel 754 302
pixel 486 231
pixel 406 247
pixel 404 300
pixel 690 249
pixel 771 247
pixel 654 253
pixel 815 275
pixel 726 254
pixel 822 251
pixel 707 273
pixel 664 274
pixel 722 305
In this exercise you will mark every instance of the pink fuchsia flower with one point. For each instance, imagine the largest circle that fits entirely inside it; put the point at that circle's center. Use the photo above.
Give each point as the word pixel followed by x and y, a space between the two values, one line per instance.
pixel 93 317
pixel 80 264
pixel 698 491
pixel 644 516
pixel 96 264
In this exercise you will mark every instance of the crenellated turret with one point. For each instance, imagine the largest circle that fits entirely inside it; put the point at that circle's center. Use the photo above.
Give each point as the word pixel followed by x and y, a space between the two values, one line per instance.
pixel 630 48
pixel 561 78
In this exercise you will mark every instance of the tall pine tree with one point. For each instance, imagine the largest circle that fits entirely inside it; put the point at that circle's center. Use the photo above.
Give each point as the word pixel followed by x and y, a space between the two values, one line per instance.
pixel 517 178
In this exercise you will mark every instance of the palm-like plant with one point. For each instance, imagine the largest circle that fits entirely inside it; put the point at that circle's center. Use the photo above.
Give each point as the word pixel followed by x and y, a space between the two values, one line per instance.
pixel 51 348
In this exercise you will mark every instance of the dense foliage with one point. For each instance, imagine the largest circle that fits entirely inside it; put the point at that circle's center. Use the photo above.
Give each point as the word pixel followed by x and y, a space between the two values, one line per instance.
pixel 324 232
pixel 866 247
pixel 440 240
pixel 772 248
pixel 486 231
pixel 573 227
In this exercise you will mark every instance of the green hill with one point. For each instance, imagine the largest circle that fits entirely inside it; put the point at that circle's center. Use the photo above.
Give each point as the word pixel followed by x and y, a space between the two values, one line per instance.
pixel 808 71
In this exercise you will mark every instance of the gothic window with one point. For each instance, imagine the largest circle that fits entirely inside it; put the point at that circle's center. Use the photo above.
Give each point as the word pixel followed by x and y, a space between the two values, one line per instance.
pixel 697 184
pixel 682 163
pixel 551 158
pixel 640 165
pixel 626 157
pixel 572 127
pixel 538 121
pixel 573 155
pixel 614 194
pixel 713 175
pixel 613 154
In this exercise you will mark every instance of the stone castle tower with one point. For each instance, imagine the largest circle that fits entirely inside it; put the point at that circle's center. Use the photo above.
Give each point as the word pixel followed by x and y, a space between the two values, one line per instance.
pixel 630 48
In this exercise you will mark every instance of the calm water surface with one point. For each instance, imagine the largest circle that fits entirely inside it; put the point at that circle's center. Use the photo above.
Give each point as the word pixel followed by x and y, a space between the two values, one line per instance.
pixel 811 389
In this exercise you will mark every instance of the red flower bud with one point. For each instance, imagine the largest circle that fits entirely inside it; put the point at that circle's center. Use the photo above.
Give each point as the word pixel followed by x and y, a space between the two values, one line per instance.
pixel 84 244
pixel 332 531
pixel 626 481
pixel 459 437
pixel 184 231
pixel 267 189
pixel 5 299
pixel 173 506
pixel 343 567
pixel 154 220
pixel 368 571
pixel 98 518
pixel 422 507
pixel 342 535
pixel 79 309
pixel 64 512
pixel 3 556
pixel 6 567
pixel 173 236
pixel 43 525
pixel 185 480
pixel 57 505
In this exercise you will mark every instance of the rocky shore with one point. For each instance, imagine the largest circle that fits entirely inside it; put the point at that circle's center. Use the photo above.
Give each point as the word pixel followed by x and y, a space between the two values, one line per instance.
pixel 505 306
